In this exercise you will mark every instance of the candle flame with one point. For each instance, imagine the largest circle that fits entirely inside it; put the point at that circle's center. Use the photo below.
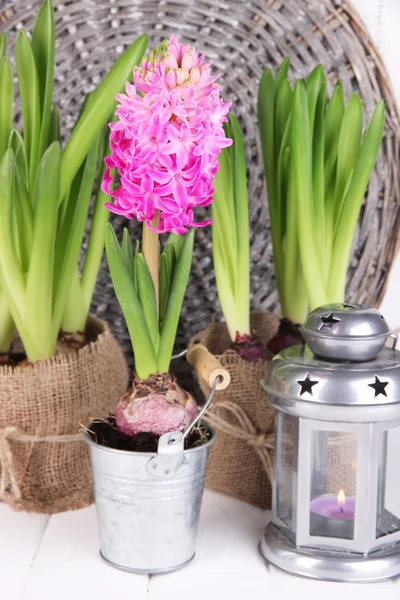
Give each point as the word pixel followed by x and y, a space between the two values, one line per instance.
pixel 341 498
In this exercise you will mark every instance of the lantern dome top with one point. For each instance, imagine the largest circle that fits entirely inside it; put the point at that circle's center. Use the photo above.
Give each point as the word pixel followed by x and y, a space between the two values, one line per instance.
pixel 320 379
pixel 346 332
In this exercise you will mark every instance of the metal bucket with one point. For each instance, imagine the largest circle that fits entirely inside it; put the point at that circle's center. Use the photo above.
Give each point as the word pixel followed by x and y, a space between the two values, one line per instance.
pixel 147 516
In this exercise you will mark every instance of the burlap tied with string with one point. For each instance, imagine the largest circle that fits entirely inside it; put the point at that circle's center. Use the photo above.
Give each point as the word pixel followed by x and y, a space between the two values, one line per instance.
pixel 44 464
pixel 241 460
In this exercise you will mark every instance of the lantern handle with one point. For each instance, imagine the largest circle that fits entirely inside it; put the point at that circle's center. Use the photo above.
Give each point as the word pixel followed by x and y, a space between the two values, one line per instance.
pixel 395 338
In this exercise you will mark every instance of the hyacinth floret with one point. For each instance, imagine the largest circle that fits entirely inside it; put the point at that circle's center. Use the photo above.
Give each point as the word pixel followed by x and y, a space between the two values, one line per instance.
pixel 166 141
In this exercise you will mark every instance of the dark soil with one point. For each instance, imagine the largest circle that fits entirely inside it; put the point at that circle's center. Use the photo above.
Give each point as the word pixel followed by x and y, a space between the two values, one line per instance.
pixel 288 335
pixel 14 359
pixel 106 434
pixel 75 341
pixel 250 348
pixel 67 343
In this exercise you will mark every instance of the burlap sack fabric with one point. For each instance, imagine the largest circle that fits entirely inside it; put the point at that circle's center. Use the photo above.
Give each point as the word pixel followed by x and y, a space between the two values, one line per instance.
pixel 241 458
pixel 44 464
pixel 342 462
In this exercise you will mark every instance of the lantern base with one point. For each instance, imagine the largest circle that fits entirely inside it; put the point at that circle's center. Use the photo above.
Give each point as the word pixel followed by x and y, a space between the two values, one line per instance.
pixel 328 565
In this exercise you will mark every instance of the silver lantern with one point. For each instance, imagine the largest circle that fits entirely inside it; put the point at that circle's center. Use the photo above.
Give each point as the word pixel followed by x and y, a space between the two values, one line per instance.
pixel 336 492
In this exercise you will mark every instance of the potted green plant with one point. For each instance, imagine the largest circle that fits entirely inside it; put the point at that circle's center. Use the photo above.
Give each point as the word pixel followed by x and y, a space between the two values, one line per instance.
pixel 148 461
pixel 67 365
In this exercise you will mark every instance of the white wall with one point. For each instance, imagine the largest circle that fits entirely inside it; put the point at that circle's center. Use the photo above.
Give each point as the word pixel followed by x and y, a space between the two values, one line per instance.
pixel 382 17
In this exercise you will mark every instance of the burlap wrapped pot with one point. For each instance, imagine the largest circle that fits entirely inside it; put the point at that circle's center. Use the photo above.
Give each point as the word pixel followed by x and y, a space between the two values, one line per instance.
pixel 44 464
pixel 241 459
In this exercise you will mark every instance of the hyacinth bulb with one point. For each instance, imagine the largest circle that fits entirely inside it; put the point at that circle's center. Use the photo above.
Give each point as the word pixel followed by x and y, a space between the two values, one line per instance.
pixel 249 348
pixel 287 335
pixel 157 405
pixel 165 143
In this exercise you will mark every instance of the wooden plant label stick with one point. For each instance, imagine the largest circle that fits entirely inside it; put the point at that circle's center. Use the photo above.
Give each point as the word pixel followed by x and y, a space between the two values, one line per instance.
pixel 150 249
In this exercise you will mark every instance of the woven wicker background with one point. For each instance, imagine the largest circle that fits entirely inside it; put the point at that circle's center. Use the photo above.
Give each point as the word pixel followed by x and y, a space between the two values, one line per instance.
pixel 240 39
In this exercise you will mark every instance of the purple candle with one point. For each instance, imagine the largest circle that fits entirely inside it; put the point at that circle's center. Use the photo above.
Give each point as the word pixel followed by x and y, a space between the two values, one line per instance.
pixel 335 507
pixel 333 516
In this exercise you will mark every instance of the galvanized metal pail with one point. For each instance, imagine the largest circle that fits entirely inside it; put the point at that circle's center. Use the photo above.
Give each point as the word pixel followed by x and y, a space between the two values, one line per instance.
pixel 147 518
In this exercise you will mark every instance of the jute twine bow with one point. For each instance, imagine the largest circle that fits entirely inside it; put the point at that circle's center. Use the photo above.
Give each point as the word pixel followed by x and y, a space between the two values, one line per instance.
pixel 236 423
pixel 8 481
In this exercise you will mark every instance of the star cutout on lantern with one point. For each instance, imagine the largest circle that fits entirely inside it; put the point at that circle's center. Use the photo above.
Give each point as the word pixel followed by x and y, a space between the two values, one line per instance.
pixel 328 321
pixel 379 386
pixel 306 385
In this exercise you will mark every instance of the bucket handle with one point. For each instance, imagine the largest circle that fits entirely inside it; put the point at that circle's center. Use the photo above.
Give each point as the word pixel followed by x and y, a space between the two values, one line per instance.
pixel 170 452
pixel 170 456
pixel 172 441
pixel 210 369
pixel 206 365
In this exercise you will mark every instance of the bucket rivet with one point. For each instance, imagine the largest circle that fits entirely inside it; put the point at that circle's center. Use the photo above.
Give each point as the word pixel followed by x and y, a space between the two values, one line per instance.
pixel 166 471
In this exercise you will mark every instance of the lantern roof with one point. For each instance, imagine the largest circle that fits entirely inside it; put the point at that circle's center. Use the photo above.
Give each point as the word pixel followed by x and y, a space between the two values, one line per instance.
pixel 346 332
pixel 344 364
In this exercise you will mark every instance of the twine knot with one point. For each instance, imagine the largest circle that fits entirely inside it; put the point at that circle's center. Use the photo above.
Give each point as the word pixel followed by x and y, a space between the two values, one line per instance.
pixel 231 419
pixel 8 481
pixel 261 440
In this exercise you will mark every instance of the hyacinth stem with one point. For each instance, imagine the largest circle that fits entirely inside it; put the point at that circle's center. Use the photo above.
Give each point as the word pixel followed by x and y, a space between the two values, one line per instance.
pixel 151 251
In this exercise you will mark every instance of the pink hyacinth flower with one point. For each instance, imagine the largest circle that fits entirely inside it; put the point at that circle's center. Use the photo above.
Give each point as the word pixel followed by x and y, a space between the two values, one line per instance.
pixel 167 139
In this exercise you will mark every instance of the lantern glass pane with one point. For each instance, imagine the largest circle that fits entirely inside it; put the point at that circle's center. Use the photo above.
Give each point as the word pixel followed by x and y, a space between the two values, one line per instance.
pixel 388 517
pixel 333 484
pixel 287 461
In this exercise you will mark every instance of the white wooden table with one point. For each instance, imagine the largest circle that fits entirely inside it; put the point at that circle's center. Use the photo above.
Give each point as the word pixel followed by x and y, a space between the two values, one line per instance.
pixel 57 558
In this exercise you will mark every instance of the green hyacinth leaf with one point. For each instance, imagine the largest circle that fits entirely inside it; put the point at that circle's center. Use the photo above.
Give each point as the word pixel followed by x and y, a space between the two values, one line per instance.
pixel 145 358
